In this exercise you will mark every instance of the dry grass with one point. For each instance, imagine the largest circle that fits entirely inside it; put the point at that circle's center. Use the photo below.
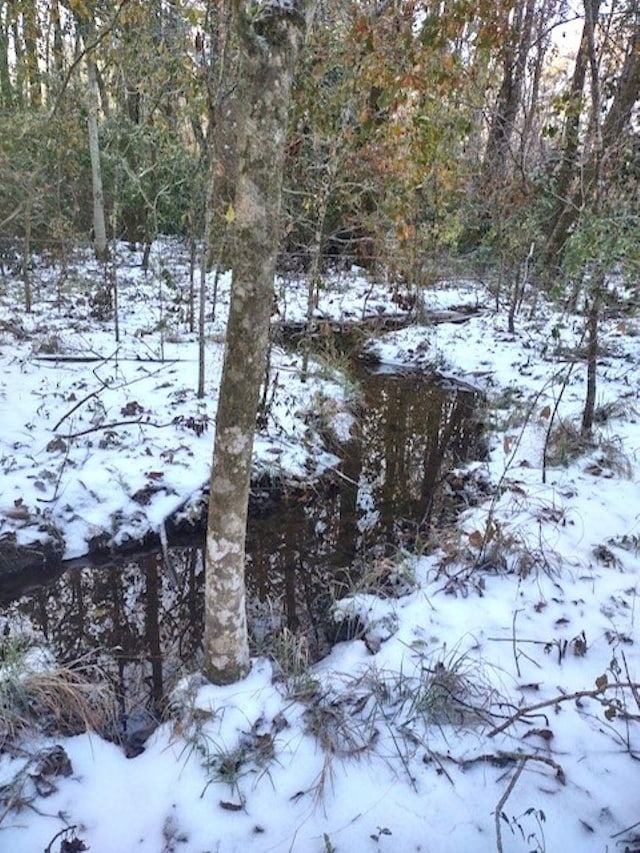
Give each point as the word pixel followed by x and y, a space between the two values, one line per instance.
pixel 566 443
pixel 38 695
pixel 291 657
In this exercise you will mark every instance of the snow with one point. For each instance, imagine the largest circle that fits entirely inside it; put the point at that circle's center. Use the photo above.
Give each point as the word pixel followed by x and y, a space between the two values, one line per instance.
pixel 104 450
pixel 393 740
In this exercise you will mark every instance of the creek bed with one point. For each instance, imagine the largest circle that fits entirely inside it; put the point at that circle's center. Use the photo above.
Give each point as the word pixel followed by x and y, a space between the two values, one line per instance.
pixel 141 620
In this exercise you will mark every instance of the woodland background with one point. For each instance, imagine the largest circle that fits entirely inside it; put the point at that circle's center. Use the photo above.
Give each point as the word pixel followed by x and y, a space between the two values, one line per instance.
pixel 499 136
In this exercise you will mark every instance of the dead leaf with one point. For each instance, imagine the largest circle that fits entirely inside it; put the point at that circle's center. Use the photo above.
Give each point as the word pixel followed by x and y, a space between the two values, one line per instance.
pixel 131 409
pixel 546 413
pixel 545 734
pixel 476 539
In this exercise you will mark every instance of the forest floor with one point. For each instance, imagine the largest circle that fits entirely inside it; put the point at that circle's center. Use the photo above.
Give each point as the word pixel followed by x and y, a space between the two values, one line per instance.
pixel 492 699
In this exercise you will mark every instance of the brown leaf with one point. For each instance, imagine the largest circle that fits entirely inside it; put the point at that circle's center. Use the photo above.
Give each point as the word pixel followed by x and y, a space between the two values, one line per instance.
pixel 476 539
pixel 545 734
pixel 131 409
pixel 601 682
pixel 546 412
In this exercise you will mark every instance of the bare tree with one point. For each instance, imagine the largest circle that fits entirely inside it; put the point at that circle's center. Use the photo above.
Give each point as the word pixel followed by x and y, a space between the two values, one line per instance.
pixel 86 28
pixel 270 38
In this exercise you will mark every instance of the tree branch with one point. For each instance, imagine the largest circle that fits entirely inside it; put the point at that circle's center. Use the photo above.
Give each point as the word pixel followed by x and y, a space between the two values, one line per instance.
pixel 569 697
pixel 88 48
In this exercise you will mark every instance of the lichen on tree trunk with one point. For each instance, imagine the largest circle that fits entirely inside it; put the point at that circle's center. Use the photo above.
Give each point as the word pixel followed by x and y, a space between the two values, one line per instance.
pixel 269 43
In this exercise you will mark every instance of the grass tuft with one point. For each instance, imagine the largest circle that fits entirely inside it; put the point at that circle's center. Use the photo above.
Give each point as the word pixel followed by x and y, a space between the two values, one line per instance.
pixel 38 695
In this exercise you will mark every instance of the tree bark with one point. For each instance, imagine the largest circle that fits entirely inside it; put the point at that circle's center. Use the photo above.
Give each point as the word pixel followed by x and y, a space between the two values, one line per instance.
pixel 610 131
pixel 561 216
pixel 6 87
pixel 270 41
pixel 87 31
pixel 30 26
pixel 592 358
pixel 510 94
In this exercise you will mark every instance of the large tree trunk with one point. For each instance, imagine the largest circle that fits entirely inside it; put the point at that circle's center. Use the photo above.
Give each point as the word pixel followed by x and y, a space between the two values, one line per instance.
pixel 269 42
pixel 516 52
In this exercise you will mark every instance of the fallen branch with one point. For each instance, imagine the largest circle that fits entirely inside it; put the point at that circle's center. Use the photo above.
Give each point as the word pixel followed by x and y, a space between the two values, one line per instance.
pixel 502 802
pixel 114 424
pixel 69 358
pixel 104 386
pixel 501 759
pixel 12 328
pixel 568 697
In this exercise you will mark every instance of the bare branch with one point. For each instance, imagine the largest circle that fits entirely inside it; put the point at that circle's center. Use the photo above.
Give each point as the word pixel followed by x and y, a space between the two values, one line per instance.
pixel 557 700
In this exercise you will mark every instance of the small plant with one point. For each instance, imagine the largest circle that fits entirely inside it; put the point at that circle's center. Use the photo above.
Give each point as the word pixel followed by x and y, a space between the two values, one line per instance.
pixel 328 845
pixel 451 691
pixel 508 410
pixel 381 830
pixel 534 839
pixel 338 725
pixel 291 655
pixel 251 751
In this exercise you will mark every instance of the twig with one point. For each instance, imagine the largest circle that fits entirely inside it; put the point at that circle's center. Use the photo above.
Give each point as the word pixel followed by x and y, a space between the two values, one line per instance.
pixel 514 642
pixel 64 831
pixel 501 758
pixel 104 386
pixel 59 478
pixel 114 424
pixel 502 802
pixel 634 690
pixel 569 697
pixel 626 829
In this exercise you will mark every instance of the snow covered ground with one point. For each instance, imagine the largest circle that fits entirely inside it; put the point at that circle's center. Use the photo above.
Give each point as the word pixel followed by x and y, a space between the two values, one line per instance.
pixel 494 705
pixel 103 439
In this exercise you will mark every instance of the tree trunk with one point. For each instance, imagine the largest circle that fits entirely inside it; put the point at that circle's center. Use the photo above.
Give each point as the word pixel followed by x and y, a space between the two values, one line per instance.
pixel 6 87
pixel 592 358
pixel 509 97
pixel 20 70
pixel 562 215
pixel 610 132
pixel 58 45
pixel 99 227
pixel 30 25
pixel 270 41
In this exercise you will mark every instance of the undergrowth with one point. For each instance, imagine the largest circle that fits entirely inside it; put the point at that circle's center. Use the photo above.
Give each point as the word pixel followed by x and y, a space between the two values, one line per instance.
pixel 39 695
